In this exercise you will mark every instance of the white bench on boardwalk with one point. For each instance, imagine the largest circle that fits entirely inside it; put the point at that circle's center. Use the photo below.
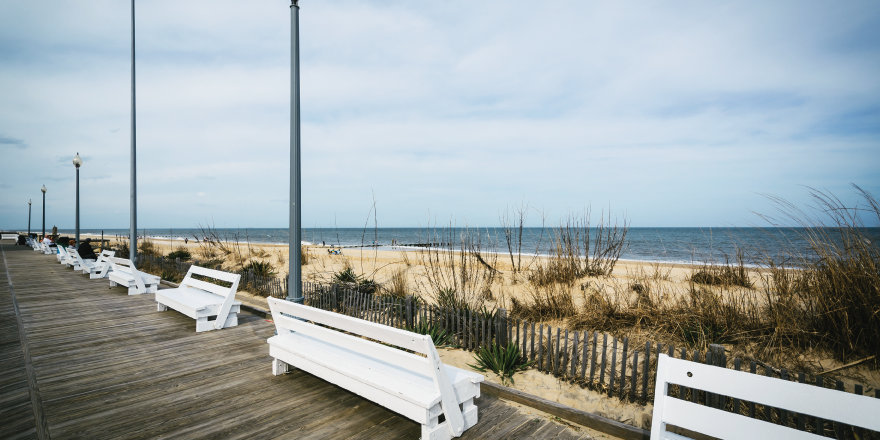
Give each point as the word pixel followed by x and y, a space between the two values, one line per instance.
pixel 123 273
pixel 75 261
pixel 90 266
pixel 102 267
pixel 419 388
pixel 9 237
pixel 62 256
pixel 200 299
pixel 830 405
pixel 46 249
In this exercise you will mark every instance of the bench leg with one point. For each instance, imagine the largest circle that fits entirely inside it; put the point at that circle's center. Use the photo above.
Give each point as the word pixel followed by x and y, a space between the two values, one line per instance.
pixel 113 283
pixel 231 320
pixel 469 412
pixel 162 307
pixel 203 325
pixel 279 367
pixel 435 431
pixel 133 290
pixel 151 288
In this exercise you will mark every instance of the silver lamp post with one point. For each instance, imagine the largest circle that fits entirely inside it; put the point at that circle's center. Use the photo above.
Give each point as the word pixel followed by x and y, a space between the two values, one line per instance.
pixel 132 234
pixel 77 162
pixel 43 189
pixel 294 281
pixel 29 217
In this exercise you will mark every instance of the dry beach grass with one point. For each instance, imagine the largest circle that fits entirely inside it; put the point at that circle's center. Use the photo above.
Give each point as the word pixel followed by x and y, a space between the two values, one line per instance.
pixel 805 311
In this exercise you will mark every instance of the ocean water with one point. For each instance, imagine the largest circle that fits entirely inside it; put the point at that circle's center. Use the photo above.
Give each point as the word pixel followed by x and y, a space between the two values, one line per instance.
pixel 679 245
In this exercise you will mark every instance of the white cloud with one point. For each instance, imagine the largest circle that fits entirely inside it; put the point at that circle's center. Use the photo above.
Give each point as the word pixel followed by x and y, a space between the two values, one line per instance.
pixel 677 113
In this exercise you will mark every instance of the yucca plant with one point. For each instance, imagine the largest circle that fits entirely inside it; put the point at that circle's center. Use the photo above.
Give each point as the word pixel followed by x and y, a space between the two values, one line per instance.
pixel 261 269
pixel 503 361
pixel 358 282
pixel 437 333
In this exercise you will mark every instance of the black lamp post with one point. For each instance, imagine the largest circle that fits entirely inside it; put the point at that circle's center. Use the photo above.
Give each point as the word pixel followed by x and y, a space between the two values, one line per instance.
pixel 43 189
pixel 77 162
pixel 29 217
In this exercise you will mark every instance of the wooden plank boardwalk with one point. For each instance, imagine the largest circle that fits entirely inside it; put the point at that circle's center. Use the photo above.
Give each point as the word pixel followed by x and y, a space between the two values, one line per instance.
pixel 79 359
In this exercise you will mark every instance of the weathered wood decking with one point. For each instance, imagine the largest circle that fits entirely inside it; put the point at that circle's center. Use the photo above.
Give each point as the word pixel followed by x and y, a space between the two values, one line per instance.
pixel 79 359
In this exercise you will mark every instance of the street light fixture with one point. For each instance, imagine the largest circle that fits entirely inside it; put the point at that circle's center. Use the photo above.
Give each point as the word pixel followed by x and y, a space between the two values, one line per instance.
pixel 43 189
pixel 77 162
pixel 29 217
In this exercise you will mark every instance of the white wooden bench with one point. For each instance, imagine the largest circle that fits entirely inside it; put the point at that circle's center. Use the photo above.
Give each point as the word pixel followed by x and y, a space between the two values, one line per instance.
pixel 102 267
pixel 9 237
pixel 89 266
pixel 48 250
pixel 62 256
pixel 831 405
pixel 419 388
pixel 201 300
pixel 123 273
pixel 75 261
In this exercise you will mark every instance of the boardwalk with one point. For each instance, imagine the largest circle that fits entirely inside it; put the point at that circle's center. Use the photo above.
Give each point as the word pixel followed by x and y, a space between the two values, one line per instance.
pixel 79 359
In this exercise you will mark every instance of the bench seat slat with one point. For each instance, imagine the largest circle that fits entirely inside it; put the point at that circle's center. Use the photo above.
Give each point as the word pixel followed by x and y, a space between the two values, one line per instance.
pixel 365 347
pixel 406 384
pixel 381 375
pixel 357 386
pixel 126 278
pixel 191 298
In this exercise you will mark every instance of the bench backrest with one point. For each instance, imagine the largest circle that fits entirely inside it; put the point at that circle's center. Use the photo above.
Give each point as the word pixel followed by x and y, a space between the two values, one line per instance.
pixel 832 405
pixel 125 266
pixel 103 266
pixel 207 286
pixel 285 312
pixel 74 256
pixel 62 252
pixel 104 255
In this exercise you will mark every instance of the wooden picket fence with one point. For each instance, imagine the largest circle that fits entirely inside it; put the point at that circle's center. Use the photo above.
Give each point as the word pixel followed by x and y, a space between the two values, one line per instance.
pixel 591 359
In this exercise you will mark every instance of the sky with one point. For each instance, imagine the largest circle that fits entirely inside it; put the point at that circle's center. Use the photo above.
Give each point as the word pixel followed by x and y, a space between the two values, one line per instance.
pixel 668 113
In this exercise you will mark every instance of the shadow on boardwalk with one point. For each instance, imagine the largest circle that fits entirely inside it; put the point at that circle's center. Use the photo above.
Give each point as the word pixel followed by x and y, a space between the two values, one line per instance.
pixel 81 359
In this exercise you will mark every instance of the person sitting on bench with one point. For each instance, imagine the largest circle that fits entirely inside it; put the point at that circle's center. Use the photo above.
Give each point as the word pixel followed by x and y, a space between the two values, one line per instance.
pixel 85 250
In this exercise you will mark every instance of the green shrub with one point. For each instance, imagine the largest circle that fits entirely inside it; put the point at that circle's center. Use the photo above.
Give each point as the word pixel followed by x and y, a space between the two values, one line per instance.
pixel 503 361
pixel 171 275
pixel 182 254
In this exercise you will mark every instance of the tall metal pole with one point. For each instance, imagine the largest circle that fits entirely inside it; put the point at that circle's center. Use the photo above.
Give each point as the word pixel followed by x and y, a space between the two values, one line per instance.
pixel 77 206
pixel 43 189
pixel 132 247
pixel 295 270
pixel 29 218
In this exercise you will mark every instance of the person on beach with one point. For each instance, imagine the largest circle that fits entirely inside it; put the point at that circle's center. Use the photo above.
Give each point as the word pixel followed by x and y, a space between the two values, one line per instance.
pixel 85 250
